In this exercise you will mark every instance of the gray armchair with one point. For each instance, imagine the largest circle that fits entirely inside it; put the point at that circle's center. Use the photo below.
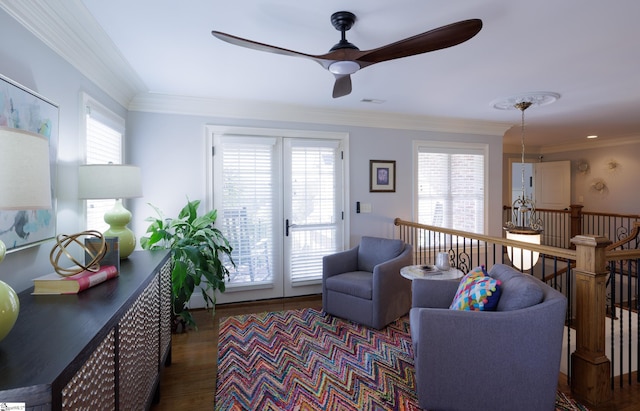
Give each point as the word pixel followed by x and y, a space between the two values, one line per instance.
pixel 364 284
pixel 508 359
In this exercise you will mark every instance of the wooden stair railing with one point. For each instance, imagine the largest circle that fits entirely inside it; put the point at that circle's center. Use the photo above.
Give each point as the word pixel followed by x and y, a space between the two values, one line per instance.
pixel 590 367
pixel 633 235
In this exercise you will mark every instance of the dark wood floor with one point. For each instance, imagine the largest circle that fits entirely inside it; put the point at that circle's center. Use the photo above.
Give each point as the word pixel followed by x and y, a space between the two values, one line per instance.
pixel 190 382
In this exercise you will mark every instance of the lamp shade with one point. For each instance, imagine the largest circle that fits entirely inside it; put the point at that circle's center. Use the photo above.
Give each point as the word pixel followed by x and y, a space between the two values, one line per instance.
pixel 25 184
pixel 25 177
pixel 523 259
pixel 101 181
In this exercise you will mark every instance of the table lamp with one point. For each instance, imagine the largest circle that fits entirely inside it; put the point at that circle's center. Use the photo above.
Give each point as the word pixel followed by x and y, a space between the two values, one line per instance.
pixel 107 181
pixel 25 184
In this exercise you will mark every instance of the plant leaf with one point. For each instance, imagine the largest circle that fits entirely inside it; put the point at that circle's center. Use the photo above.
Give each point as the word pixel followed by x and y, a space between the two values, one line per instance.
pixel 199 251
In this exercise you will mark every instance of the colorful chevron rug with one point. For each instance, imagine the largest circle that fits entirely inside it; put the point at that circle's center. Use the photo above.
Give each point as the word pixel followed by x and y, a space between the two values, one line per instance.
pixel 303 360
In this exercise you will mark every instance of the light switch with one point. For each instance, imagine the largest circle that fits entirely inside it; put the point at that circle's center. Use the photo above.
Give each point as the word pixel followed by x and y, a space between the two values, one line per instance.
pixel 365 207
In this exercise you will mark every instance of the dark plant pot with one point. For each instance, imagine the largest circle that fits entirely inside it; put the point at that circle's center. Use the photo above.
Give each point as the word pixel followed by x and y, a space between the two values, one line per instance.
pixel 178 325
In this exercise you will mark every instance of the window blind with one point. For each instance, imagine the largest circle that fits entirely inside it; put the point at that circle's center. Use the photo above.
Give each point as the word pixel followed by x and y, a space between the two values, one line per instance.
pixel 313 203
pixel 451 187
pixel 247 206
pixel 103 145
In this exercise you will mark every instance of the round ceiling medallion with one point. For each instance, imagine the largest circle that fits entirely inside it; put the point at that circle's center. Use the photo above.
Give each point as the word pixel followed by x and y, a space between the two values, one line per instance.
pixel 536 98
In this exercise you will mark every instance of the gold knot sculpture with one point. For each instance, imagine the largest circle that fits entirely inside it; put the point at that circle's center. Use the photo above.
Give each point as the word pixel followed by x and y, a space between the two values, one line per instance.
pixel 63 241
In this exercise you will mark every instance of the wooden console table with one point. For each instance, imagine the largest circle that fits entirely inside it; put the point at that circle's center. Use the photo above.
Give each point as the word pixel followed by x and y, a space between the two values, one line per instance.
pixel 102 349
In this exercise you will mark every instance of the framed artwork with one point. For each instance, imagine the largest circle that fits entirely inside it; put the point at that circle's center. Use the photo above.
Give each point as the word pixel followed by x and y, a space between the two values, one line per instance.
pixel 23 109
pixel 382 176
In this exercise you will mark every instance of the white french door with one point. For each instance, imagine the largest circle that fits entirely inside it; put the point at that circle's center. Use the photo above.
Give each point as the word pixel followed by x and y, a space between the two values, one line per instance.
pixel 312 211
pixel 280 204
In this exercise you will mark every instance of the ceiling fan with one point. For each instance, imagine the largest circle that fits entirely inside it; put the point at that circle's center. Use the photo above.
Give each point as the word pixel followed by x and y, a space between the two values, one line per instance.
pixel 345 59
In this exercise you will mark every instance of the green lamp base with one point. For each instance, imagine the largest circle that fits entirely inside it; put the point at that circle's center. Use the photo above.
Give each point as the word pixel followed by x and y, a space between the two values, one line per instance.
pixel 118 218
pixel 9 303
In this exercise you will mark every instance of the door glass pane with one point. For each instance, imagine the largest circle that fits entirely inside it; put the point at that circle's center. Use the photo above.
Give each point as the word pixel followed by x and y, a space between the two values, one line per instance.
pixel 313 208
pixel 247 208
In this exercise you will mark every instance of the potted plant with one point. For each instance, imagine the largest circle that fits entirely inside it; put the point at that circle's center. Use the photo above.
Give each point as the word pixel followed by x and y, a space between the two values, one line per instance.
pixel 197 252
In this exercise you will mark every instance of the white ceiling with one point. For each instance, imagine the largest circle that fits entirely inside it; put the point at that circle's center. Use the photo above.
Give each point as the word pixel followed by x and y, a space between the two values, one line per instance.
pixel 585 50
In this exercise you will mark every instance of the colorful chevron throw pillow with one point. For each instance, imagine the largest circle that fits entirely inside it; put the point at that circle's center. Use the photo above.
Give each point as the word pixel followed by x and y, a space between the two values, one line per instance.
pixel 477 292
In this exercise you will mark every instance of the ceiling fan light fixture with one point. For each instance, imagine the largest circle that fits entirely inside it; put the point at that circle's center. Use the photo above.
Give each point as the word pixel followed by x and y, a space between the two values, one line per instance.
pixel 344 67
pixel 344 58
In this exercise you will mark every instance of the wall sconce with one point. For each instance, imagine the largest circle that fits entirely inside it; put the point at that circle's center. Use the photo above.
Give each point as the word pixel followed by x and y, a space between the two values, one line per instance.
pixel 599 185
pixel 583 167
pixel 25 184
pixel 108 181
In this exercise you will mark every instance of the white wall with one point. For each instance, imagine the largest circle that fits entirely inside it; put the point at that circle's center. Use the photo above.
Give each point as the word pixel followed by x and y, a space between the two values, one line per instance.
pixel 622 193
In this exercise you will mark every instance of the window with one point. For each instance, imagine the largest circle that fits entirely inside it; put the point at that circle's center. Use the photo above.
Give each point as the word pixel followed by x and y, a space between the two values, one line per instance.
pixel 450 185
pixel 103 145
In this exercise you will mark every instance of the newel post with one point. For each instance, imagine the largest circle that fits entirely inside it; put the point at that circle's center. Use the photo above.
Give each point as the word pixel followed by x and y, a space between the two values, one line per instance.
pixel 590 367
pixel 576 221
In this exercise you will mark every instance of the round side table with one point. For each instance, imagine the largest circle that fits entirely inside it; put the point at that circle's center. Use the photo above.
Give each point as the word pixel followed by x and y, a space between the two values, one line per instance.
pixel 430 272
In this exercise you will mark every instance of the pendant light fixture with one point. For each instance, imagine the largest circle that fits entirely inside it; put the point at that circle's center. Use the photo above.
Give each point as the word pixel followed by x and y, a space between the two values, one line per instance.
pixel 524 225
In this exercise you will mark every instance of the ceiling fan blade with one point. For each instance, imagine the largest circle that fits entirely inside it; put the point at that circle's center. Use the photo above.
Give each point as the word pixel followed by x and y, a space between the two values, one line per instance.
pixel 238 41
pixel 342 87
pixel 436 39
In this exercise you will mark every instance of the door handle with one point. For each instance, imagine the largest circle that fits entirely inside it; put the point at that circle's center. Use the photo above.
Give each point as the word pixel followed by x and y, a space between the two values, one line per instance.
pixel 287 225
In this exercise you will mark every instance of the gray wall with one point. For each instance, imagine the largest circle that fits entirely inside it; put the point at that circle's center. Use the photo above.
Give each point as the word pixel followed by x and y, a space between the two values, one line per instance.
pixel 171 151
pixel 26 60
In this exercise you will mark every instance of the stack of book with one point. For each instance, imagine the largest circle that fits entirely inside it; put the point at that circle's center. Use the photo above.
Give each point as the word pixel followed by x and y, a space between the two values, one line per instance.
pixel 54 283
pixel 109 268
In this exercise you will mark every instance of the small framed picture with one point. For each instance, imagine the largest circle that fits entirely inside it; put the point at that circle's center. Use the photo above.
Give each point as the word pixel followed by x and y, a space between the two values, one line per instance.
pixel 382 176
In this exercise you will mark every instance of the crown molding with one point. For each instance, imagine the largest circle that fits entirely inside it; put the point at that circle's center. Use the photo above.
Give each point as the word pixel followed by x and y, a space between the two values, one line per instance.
pixel 568 147
pixel 240 109
pixel 517 149
pixel 70 30
pixel 591 144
